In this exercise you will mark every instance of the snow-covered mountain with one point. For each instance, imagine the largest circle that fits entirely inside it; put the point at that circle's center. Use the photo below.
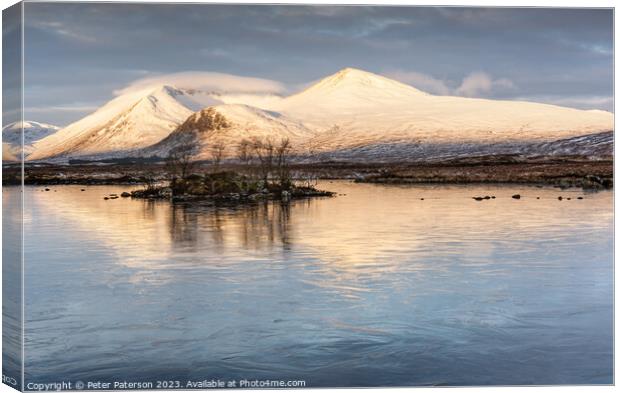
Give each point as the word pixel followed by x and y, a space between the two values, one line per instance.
pixel 130 121
pixel 227 125
pixel 135 120
pixel 356 115
pixel 351 115
pixel 32 131
pixel 367 108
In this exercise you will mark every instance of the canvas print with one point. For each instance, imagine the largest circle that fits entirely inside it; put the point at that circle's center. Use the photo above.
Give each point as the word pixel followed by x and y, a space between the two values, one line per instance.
pixel 305 196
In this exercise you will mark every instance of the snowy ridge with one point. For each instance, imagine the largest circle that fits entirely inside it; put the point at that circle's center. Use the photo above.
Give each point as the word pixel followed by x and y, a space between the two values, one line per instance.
pixel 593 146
pixel 600 145
pixel 33 131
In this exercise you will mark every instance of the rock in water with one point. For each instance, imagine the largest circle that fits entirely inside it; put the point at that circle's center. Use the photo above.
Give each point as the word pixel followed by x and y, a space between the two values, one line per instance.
pixel 125 194
pixel 516 196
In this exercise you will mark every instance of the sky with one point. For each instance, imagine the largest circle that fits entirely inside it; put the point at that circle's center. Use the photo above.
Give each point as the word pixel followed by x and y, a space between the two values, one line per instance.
pixel 79 56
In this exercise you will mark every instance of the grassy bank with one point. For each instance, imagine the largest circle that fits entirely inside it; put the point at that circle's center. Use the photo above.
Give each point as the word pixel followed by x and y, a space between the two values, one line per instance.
pixel 561 173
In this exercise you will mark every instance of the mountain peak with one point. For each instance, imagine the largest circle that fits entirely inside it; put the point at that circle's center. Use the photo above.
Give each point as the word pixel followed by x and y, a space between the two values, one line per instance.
pixel 355 79
pixel 29 124
pixel 350 73
pixel 15 142
pixel 351 88
pixel 159 90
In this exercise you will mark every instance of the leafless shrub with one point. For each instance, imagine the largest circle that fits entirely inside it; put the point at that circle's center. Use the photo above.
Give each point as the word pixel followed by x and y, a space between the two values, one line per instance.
pixel 282 157
pixel 244 152
pixel 179 162
pixel 264 151
pixel 273 159
pixel 150 181
pixel 309 179
pixel 217 153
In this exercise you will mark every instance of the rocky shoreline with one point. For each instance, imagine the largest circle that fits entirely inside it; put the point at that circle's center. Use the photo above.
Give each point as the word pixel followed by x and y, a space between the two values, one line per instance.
pixel 588 176
pixel 589 182
pixel 165 193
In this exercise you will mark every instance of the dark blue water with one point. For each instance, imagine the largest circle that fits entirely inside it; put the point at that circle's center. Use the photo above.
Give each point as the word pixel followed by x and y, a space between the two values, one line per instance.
pixel 375 287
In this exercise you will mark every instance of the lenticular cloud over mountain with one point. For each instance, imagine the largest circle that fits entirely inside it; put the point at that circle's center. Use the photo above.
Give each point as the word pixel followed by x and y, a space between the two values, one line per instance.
pixel 206 81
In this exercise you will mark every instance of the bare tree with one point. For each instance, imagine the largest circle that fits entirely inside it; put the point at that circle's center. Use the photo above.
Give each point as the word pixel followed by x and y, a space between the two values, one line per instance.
pixel 282 153
pixel 150 182
pixel 217 153
pixel 179 162
pixel 309 179
pixel 264 151
pixel 244 151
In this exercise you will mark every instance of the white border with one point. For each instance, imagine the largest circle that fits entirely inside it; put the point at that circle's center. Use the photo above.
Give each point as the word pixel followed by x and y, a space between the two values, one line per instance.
pixel 478 3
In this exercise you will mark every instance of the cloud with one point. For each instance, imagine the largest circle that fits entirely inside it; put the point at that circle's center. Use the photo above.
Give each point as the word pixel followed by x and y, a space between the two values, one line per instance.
pixel 476 84
pixel 64 30
pixel 479 84
pixel 211 81
pixel 60 108
pixel 421 81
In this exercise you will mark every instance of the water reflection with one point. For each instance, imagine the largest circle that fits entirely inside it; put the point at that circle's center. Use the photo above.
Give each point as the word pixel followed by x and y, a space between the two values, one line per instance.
pixel 360 289
pixel 255 226
pixel 357 229
pixel 183 226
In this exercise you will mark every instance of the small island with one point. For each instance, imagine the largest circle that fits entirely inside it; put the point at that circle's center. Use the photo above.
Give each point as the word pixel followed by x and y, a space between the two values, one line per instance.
pixel 266 175
pixel 226 187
